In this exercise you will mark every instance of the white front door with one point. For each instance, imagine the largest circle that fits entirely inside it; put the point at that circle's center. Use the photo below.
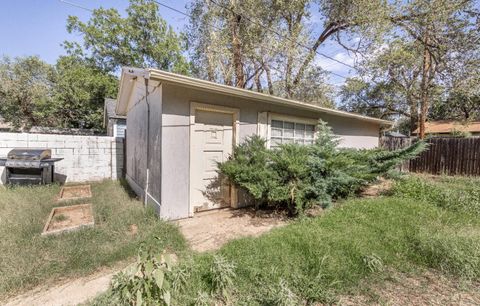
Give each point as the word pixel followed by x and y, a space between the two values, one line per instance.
pixel 212 142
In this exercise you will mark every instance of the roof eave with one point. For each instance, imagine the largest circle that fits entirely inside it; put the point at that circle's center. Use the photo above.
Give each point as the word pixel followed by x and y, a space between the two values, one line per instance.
pixel 130 74
pixel 181 80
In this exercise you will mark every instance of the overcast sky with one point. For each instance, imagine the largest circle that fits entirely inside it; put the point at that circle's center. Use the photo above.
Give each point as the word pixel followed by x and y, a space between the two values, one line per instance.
pixel 37 27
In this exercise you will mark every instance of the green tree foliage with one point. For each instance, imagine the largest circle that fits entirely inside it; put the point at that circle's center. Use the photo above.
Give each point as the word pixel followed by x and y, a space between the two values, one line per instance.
pixel 26 91
pixel 428 57
pixel 80 91
pixel 296 177
pixel 69 95
pixel 141 39
pixel 270 46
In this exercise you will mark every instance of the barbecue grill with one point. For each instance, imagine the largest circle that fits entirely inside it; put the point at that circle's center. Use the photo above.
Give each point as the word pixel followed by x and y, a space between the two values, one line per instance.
pixel 29 166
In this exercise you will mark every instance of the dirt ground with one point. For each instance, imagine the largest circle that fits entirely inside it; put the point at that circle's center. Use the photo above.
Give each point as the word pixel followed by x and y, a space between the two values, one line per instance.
pixel 71 292
pixel 69 217
pixel 75 192
pixel 429 288
pixel 377 189
pixel 210 230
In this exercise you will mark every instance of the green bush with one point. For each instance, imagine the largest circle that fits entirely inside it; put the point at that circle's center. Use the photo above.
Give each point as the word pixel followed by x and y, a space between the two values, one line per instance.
pixel 147 282
pixel 297 177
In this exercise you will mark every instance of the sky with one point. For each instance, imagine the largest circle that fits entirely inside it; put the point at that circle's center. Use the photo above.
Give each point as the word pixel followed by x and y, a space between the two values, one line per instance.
pixel 37 27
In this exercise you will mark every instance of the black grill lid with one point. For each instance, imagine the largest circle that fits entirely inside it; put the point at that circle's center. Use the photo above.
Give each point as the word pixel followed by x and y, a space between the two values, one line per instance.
pixel 29 154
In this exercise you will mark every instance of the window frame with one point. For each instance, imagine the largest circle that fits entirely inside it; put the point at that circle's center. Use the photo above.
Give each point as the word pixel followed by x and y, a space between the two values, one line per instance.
pixel 289 118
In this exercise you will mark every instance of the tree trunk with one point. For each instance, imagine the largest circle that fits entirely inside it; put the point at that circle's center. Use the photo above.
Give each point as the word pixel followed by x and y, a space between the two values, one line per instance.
pixel 413 113
pixel 424 95
pixel 258 72
pixel 269 78
pixel 237 50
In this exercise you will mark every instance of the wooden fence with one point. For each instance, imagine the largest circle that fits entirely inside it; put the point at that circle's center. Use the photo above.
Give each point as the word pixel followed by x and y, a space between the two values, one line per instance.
pixel 449 156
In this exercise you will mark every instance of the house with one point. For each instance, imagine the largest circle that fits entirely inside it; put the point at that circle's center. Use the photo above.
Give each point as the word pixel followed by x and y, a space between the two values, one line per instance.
pixel 113 123
pixel 450 128
pixel 180 127
pixel 395 134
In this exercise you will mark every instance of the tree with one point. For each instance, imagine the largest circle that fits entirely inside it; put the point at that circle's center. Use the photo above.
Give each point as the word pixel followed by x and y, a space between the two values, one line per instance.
pixel 141 39
pixel 80 92
pixel 426 41
pixel 26 91
pixel 68 95
pixel 270 44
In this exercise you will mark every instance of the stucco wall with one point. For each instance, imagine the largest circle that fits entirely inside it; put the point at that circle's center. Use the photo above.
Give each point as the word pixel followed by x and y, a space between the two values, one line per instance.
pixel 176 137
pixel 136 139
pixel 86 158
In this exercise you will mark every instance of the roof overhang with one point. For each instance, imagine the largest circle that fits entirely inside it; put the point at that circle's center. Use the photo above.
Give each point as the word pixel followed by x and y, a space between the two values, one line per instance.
pixel 129 74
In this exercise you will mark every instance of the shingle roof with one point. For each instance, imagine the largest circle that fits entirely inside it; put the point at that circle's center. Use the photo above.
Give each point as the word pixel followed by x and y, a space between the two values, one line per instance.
pixel 446 127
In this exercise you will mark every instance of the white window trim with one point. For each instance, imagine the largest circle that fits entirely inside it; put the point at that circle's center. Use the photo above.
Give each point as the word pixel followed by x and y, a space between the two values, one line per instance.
pixel 295 119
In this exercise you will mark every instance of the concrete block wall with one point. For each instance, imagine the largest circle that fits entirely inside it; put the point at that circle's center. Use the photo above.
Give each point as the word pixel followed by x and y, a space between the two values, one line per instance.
pixel 85 158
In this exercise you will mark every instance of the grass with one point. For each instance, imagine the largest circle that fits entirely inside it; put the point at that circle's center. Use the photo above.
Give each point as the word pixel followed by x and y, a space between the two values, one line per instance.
pixel 28 259
pixel 318 259
pixel 361 240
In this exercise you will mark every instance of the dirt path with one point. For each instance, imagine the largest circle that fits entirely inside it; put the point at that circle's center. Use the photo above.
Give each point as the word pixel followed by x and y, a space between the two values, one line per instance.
pixel 210 230
pixel 207 231
pixel 69 293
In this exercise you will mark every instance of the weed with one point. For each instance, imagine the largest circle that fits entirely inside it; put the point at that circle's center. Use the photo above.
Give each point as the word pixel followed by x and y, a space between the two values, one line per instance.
pixel 222 273
pixel 373 263
pixel 60 218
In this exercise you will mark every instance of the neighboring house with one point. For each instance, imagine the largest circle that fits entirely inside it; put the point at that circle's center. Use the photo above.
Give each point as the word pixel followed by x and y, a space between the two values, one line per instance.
pixel 450 128
pixel 395 134
pixel 180 127
pixel 114 123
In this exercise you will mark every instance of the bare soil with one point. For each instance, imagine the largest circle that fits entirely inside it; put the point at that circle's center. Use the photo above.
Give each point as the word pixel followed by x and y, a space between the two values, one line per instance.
pixel 210 230
pixel 68 218
pixel 377 189
pixel 75 192
pixel 428 288
pixel 70 292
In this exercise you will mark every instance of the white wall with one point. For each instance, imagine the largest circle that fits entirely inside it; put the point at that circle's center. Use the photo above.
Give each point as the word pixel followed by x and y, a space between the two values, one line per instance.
pixel 86 158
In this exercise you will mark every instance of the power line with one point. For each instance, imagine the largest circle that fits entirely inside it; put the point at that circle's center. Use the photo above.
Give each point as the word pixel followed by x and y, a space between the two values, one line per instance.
pixel 190 16
pixel 76 5
pixel 279 34
pixel 218 28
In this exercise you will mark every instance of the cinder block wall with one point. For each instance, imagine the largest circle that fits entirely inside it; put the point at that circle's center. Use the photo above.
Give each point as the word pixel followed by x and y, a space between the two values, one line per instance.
pixel 85 158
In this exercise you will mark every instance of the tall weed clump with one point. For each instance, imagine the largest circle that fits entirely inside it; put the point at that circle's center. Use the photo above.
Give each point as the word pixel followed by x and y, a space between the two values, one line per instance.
pixel 297 177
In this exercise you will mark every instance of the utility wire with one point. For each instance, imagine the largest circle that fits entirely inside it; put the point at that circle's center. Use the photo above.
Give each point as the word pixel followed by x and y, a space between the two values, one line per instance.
pixel 190 16
pixel 76 5
pixel 279 34
pixel 218 28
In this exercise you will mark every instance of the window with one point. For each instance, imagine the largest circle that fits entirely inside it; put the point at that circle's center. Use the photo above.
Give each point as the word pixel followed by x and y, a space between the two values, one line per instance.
pixel 291 132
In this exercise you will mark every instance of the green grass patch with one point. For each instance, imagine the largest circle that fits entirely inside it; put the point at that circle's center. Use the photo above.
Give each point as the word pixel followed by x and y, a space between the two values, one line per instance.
pixel 356 243
pixel 453 193
pixel 28 259
pixel 318 259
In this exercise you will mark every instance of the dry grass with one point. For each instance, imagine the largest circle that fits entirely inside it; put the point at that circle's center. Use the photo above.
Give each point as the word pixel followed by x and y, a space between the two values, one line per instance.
pixel 28 259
